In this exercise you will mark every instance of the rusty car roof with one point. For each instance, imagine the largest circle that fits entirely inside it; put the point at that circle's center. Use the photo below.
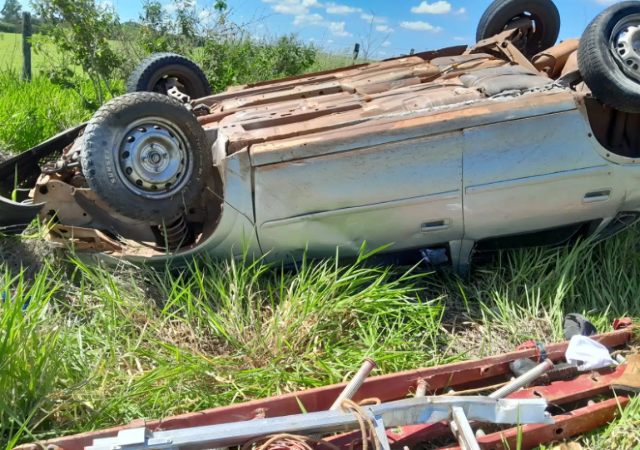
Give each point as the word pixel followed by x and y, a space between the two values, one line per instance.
pixel 341 100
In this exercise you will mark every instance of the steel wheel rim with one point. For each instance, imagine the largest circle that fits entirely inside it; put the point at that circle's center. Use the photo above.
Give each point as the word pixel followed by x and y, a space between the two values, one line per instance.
pixel 625 45
pixel 153 161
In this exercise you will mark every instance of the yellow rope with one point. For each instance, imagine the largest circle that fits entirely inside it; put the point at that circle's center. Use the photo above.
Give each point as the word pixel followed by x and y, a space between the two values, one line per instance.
pixel 294 438
pixel 366 424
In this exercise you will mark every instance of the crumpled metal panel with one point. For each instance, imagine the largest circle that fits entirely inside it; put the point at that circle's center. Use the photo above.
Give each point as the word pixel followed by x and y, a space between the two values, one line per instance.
pixel 340 101
pixel 308 140
pixel 340 98
pixel 407 193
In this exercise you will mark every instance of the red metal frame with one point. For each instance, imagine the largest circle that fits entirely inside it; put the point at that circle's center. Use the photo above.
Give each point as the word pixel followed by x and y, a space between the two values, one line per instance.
pixel 570 424
pixel 557 393
pixel 389 387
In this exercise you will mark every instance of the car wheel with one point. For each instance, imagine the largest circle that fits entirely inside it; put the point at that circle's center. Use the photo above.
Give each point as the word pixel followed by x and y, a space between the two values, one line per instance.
pixel 145 156
pixel 502 13
pixel 162 71
pixel 608 56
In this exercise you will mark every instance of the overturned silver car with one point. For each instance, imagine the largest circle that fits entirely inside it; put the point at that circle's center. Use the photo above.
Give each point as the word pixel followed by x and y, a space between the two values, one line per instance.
pixel 512 142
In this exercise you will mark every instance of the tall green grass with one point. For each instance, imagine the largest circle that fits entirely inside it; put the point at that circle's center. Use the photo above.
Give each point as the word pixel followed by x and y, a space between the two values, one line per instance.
pixel 97 347
pixel 33 112
pixel 93 348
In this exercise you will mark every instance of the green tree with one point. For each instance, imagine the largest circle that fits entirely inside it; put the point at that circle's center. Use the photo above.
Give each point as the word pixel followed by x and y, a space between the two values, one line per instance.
pixel 162 32
pixel 81 29
pixel 155 27
pixel 11 11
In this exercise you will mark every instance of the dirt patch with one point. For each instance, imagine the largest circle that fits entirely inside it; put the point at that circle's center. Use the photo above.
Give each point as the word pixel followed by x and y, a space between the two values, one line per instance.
pixel 481 338
pixel 28 254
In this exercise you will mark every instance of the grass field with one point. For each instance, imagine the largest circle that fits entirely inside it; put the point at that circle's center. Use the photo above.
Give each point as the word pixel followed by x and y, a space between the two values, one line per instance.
pixel 11 54
pixel 82 347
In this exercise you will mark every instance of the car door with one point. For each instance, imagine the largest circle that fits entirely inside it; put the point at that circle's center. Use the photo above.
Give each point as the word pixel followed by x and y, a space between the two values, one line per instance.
pixel 405 193
pixel 534 174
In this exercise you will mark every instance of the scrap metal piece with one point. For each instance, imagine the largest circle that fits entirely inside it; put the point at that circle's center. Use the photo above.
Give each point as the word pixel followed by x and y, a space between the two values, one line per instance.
pixel 421 388
pixel 462 430
pixel 381 433
pixel 551 61
pixel 393 414
pixel 502 43
pixel 523 380
pixel 353 386
pixel 26 165
pixel 578 421
pixel 350 389
pixel 388 388
pixel 178 95
pixel 15 217
pixel 140 232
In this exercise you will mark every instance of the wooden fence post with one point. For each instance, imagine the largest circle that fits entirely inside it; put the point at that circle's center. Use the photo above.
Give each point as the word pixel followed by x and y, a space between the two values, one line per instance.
pixel 26 46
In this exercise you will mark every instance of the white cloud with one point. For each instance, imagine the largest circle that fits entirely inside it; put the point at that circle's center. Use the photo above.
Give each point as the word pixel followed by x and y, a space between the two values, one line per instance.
pixel 461 11
pixel 421 26
pixel 293 7
pixel 439 7
pixel 307 19
pixel 384 29
pixel 386 44
pixel 290 8
pixel 337 29
pixel 106 4
pixel 171 8
pixel 204 14
pixel 334 8
pixel 382 53
pixel 330 41
pixel 311 39
pixel 370 17
pixel 459 38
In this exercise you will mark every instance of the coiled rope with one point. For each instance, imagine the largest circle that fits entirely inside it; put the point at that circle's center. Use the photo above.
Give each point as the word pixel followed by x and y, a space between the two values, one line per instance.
pixel 287 441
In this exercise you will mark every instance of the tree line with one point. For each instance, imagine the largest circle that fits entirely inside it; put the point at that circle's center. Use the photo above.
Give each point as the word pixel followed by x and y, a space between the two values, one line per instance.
pixel 11 18
pixel 89 35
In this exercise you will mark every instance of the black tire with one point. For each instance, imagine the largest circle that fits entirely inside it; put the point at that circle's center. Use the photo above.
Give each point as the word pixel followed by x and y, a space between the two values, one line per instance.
pixel 148 75
pixel 544 13
pixel 600 70
pixel 102 156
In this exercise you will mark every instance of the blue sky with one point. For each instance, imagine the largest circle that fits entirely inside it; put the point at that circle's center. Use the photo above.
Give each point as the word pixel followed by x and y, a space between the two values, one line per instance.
pixel 399 25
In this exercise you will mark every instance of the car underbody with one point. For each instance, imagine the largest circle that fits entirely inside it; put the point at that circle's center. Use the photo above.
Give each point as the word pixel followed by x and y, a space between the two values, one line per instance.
pixel 462 149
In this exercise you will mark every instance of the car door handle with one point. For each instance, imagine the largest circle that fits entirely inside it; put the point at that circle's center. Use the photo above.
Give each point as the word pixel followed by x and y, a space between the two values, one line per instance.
pixel 601 195
pixel 436 225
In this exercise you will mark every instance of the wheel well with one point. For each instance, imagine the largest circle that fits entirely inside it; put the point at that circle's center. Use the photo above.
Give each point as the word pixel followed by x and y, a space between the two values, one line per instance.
pixel 617 131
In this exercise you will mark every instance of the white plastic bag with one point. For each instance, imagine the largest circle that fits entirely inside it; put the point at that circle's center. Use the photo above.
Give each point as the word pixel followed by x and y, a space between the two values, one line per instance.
pixel 588 354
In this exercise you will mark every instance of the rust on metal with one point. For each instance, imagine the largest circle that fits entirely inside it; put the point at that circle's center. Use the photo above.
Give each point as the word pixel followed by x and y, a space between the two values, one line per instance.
pixel 375 106
pixel 567 425
pixel 385 387
pixel 557 393
pixel 553 60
